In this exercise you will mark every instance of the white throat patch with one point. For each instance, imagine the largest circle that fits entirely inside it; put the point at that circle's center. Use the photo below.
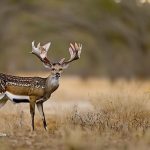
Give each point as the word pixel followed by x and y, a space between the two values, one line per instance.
pixel 54 81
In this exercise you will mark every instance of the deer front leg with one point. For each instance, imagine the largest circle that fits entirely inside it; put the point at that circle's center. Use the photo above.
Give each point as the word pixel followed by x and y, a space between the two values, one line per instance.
pixel 41 111
pixel 32 111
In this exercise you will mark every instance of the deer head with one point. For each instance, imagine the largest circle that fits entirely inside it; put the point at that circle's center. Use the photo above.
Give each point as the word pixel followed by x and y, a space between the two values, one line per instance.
pixel 57 67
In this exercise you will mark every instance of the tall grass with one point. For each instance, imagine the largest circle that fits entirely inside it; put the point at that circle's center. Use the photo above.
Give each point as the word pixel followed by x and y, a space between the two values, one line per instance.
pixel 118 118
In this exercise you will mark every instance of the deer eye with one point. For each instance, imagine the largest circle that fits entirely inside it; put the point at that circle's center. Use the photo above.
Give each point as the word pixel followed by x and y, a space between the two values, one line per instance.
pixel 53 69
pixel 60 69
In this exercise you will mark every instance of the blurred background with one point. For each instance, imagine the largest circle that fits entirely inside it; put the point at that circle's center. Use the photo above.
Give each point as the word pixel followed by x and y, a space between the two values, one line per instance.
pixel 115 35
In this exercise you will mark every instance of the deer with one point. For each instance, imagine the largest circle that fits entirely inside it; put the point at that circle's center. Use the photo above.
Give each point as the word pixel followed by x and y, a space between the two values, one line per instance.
pixel 36 90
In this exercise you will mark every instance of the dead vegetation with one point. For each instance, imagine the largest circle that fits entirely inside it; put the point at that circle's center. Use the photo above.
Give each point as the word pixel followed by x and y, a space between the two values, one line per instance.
pixel 118 118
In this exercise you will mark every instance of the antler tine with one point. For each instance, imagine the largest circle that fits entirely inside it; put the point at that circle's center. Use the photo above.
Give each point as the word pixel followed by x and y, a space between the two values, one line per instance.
pixel 41 53
pixel 75 52
pixel 38 46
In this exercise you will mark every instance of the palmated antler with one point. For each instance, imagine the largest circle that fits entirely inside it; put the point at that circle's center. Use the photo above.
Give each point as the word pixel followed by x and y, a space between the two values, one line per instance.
pixel 75 51
pixel 41 53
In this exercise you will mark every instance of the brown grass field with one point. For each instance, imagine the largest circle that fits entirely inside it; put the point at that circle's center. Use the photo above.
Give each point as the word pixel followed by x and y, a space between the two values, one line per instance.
pixel 83 114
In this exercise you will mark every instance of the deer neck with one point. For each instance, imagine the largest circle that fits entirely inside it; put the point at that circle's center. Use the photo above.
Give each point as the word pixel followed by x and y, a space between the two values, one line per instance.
pixel 52 83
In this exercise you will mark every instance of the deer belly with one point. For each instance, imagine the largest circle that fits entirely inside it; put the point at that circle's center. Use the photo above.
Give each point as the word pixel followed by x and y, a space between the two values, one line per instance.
pixel 17 98
pixel 17 90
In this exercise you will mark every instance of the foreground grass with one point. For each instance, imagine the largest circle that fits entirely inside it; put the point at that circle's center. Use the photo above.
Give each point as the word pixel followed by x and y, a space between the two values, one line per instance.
pixel 117 119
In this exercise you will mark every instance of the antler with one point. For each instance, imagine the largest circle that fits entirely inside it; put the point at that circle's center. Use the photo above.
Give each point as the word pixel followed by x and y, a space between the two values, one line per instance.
pixel 41 53
pixel 75 51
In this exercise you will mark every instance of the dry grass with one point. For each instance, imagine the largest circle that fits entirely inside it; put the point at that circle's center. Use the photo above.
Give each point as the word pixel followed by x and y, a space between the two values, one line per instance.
pixel 93 114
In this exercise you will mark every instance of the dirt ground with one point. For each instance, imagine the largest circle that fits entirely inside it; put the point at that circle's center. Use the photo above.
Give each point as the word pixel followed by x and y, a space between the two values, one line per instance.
pixel 83 114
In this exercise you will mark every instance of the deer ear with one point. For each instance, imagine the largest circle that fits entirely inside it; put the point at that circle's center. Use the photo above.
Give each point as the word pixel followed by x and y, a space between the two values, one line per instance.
pixel 65 66
pixel 46 46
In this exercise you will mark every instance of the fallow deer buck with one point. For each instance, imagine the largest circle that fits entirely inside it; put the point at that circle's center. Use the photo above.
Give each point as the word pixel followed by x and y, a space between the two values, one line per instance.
pixel 36 90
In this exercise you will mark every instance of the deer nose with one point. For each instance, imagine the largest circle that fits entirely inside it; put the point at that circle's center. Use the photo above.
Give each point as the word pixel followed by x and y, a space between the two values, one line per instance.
pixel 57 74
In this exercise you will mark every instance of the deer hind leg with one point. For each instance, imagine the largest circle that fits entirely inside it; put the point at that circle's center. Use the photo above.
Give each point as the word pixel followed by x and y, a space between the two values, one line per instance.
pixel 41 111
pixel 3 99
